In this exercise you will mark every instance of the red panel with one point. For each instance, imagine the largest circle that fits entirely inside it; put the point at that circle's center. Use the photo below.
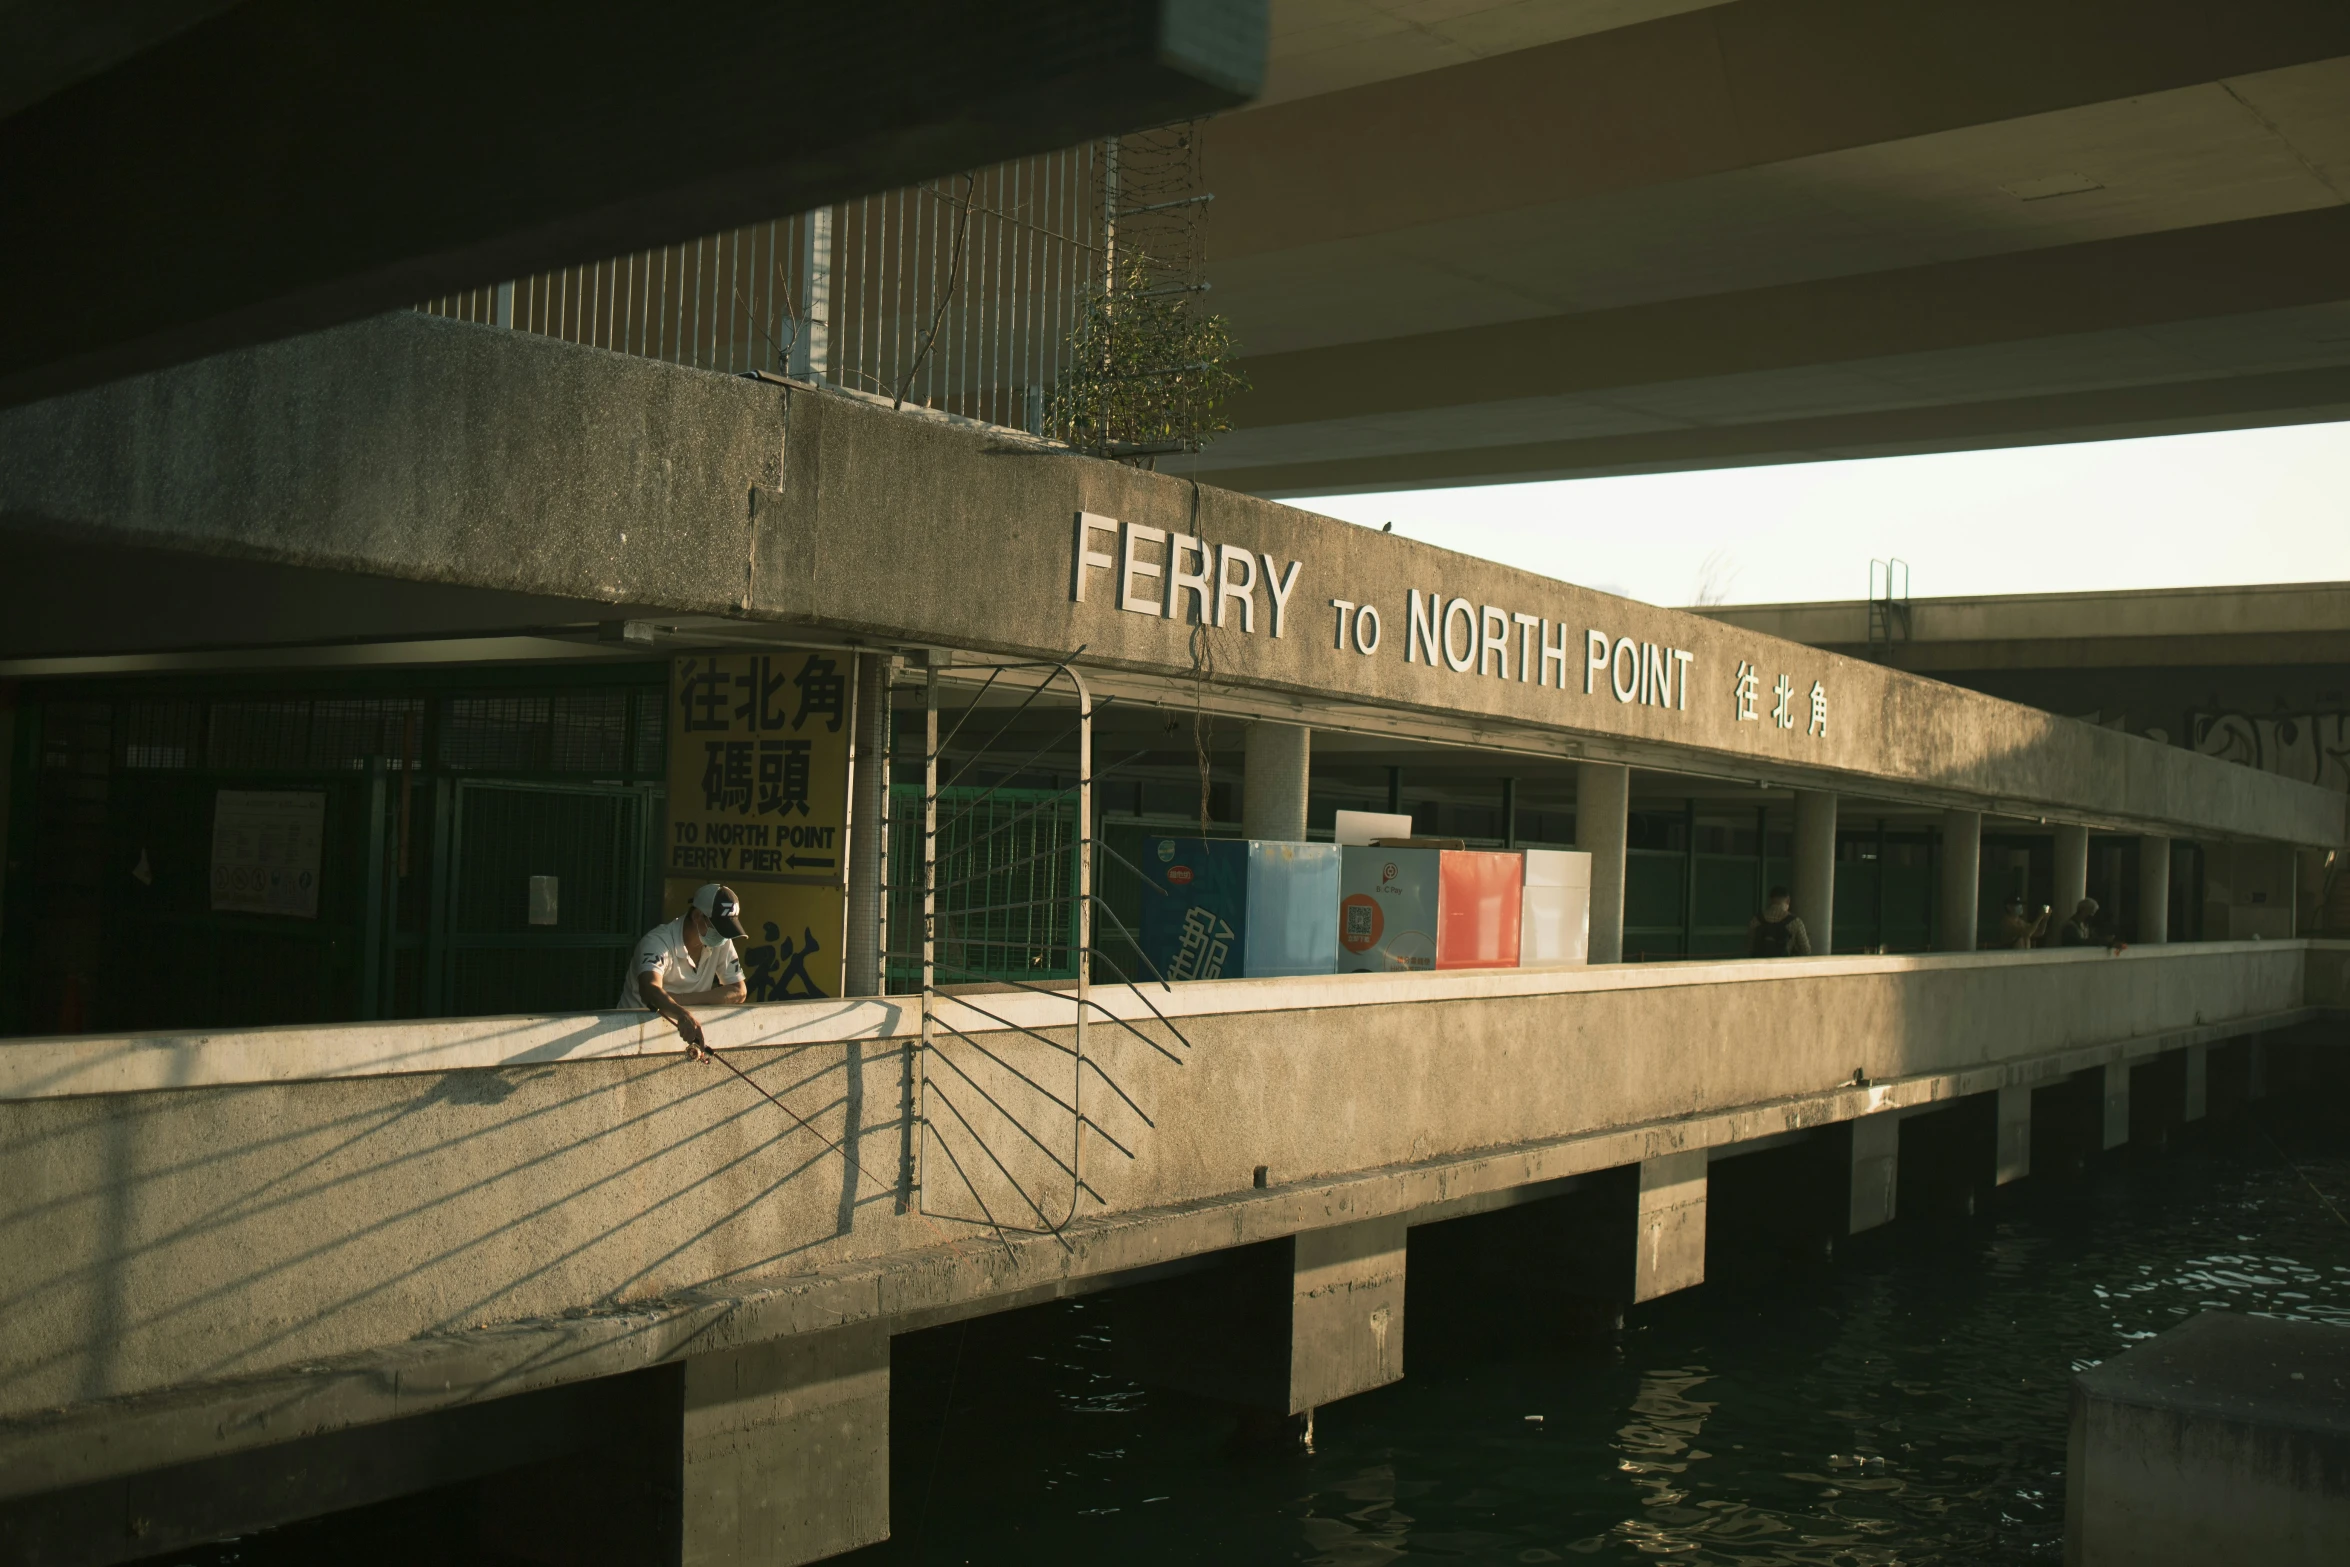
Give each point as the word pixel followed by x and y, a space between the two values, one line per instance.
pixel 1477 909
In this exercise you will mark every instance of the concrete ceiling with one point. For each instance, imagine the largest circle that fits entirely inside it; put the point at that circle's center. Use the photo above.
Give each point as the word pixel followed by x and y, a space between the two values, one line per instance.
pixel 1320 46
pixel 1464 242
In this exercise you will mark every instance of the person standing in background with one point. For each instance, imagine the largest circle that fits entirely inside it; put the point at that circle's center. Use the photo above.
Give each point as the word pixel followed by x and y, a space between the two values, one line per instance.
pixel 1778 931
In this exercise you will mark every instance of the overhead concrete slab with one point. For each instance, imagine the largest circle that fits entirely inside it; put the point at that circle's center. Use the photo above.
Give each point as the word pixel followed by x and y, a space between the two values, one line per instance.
pixel 1460 225
pixel 324 163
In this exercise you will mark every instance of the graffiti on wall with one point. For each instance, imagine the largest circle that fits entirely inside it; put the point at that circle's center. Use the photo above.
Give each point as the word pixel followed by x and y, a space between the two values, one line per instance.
pixel 2312 747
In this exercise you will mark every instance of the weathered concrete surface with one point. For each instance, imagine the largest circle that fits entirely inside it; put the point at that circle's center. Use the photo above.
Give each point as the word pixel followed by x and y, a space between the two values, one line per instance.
pixel 785 1449
pixel 617 1436
pixel 1669 1227
pixel 1346 1311
pixel 422 449
pixel 2226 1439
pixel 429 1236
pixel 1876 1171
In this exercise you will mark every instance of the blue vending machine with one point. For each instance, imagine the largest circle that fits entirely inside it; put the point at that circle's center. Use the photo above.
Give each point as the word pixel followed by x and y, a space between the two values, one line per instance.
pixel 1239 908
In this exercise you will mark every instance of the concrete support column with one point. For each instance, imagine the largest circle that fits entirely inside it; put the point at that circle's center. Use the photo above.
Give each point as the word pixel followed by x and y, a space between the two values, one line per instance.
pixel 2153 890
pixel 2072 873
pixel 861 952
pixel 2013 1160
pixel 1603 801
pixel 1815 866
pixel 1345 1311
pixel 785 1448
pixel 1962 878
pixel 1282 1327
pixel 2256 1067
pixel 2117 1105
pixel 2198 1102
pixel 1273 789
pixel 1671 1253
pixel 1876 1171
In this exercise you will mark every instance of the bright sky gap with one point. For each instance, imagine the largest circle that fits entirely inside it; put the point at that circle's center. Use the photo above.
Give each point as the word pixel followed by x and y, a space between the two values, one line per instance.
pixel 2241 506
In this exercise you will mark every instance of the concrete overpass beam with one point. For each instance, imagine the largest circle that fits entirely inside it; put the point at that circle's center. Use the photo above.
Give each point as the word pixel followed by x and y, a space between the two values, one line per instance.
pixel 1273 789
pixel 1815 866
pixel 1671 1253
pixel 1603 799
pixel 1961 872
pixel 2153 890
pixel 2014 1158
pixel 2072 870
pixel 1876 1172
pixel 784 1449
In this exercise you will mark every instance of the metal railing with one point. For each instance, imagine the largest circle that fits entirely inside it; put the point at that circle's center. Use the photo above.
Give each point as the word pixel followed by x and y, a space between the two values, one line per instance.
pixel 959 294
pixel 991 891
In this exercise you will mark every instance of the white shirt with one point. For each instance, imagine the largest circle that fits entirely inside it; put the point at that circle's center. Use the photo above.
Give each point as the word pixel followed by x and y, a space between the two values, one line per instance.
pixel 662 954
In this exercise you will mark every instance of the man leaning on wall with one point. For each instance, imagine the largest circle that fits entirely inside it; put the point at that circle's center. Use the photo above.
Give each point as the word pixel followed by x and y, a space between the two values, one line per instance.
pixel 692 958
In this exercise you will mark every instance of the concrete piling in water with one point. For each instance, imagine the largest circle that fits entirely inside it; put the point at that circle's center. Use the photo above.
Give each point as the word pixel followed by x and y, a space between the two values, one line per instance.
pixel 2226 1439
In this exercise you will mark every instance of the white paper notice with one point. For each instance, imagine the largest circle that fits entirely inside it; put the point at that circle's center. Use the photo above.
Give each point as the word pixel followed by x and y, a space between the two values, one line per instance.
pixel 265 851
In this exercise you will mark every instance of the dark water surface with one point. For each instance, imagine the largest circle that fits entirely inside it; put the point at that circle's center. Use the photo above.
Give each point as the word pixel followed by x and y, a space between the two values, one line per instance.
pixel 1906 1402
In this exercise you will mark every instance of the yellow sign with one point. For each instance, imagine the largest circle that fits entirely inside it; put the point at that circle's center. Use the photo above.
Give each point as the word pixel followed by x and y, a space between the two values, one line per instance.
pixel 759 800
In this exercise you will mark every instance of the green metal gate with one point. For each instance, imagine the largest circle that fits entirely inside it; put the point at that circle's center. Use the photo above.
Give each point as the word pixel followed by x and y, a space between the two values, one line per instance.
pixel 1007 885
pixel 539 892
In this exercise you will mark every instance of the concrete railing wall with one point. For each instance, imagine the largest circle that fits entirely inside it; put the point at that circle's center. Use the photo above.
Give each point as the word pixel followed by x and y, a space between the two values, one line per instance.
pixel 419 449
pixel 258 1218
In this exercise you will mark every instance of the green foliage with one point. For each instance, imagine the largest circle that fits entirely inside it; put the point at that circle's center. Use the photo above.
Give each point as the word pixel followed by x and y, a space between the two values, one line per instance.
pixel 1148 373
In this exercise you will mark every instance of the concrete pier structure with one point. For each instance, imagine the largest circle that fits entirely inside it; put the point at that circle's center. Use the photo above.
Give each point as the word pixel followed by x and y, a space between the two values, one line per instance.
pixel 1670 1250
pixel 1876 1171
pixel 401 1217
pixel 783 1446
pixel 427 1268
pixel 322 1184
pixel 2226 1439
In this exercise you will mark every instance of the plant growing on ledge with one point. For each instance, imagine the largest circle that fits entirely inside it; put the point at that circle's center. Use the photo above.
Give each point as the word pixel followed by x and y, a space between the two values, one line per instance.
pixel 1148 373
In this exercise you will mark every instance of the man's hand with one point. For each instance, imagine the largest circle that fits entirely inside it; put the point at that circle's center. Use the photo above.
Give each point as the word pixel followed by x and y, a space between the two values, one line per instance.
pixel 688 1027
